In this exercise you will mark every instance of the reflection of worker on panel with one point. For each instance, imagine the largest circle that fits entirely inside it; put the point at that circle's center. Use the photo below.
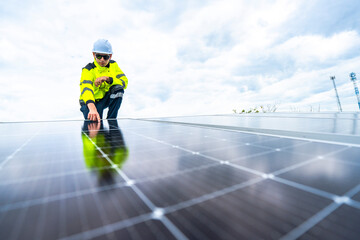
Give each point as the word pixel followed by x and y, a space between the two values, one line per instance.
pixel 111 143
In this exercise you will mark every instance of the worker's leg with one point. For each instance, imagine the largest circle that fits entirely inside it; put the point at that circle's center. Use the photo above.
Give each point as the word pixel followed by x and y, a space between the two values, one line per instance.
pixel 102 104
pixel 112 99
pixel 115 99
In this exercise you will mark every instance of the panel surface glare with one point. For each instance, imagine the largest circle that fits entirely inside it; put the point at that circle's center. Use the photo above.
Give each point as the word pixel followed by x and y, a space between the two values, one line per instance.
pixel 137 179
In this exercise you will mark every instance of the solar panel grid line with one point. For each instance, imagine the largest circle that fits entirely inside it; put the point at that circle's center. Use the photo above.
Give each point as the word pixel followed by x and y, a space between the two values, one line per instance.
pixel 242 157
pixel 293 167
pixel 346 198
pixel 271 203
pixel 2 164
pixel 172 228
pixel 16 230
pixel 303 208
pixel 230 147
pixel 62 213
pixel 120 211
pixel 245 169
pixel 155 159
pixel 344 229
pixel 82 211
pixel 224 148
pixel 47 153
pixel 209 157
pixel 101 213
pixel 318 158
pixel 53 175
pixel 162 142
pixel 311 222
pixel 354 204
pixel 305 188
pixel 258 144
pixel 41 219
pixel 63 196
pixel 35 164
pixel 177 173
pixel 92 233
pixel 353 191
pixel 211 195
pixel 26 215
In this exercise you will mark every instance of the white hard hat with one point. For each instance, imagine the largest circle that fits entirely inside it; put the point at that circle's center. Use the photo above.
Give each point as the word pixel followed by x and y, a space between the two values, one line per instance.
pixel 102 46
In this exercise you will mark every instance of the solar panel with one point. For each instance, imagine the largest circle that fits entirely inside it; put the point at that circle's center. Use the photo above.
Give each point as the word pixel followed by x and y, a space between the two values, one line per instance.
pixel 337 127
pixel 178 179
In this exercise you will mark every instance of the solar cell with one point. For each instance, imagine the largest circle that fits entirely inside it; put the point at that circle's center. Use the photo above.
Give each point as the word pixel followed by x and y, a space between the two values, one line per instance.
pixel 178 179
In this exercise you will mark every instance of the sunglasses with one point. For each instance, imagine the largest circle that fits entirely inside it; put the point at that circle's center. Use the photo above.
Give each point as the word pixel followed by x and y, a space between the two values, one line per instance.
pixel 99 56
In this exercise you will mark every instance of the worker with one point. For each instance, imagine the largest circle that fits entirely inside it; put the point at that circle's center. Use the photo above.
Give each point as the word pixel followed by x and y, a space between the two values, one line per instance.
pixel 102 84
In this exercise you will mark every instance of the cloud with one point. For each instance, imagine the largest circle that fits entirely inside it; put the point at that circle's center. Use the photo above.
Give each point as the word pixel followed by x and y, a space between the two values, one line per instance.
pixel 181 57
pixel 317 49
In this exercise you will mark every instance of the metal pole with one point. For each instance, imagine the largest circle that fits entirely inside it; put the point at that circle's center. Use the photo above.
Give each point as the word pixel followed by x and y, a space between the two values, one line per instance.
pixel 353 79
pixel 336 92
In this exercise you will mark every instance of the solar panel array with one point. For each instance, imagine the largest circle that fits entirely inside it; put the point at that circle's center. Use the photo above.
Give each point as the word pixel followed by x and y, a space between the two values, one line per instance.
pixel 135 179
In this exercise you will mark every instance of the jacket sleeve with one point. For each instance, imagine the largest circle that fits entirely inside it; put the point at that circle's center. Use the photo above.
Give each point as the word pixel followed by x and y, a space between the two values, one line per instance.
pixel 86 86
pixel 119 77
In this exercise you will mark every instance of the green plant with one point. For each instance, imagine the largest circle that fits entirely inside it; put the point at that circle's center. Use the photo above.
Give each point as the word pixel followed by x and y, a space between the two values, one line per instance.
pixel 258 109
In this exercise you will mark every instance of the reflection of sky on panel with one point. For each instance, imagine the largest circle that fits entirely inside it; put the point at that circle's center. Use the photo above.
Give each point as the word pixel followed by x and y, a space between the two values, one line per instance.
pixel 325 123
pixel 330 176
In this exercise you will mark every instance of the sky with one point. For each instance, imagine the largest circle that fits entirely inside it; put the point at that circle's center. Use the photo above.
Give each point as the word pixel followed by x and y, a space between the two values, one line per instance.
pixel 181 57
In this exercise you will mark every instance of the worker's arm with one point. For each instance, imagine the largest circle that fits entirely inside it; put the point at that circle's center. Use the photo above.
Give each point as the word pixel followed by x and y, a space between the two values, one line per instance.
pixel 93 114
pixel 118 77
pixel 87 92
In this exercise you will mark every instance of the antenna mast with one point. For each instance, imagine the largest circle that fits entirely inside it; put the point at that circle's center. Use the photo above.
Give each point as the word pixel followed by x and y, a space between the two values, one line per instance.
pixel 336 92
pixel 353 79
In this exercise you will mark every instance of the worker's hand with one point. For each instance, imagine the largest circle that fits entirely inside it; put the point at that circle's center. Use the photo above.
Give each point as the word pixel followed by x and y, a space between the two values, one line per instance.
pixel 93 114
pixel 100 80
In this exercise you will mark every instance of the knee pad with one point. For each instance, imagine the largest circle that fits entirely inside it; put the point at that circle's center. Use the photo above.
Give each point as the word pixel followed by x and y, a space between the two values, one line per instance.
pixel 116 91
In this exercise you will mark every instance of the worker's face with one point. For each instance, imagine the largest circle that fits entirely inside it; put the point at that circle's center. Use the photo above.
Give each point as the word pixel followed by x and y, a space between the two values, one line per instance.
pixel 102 61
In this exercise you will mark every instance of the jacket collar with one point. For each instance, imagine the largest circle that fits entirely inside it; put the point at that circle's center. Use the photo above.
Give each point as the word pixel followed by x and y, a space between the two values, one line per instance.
pixel 100 67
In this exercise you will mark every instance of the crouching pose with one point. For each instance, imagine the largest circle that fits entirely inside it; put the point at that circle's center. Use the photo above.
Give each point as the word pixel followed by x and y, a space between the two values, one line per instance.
pixel 102 84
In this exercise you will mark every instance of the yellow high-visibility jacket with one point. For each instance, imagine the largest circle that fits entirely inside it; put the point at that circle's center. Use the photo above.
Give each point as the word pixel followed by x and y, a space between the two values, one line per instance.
pixel 88 91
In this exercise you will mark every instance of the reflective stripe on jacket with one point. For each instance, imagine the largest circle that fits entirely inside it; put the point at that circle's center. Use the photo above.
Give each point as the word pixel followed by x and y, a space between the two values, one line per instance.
pixel 92 71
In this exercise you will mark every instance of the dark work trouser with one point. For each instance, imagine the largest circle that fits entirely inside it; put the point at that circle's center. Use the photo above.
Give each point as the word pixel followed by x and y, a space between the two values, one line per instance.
pixel 111 100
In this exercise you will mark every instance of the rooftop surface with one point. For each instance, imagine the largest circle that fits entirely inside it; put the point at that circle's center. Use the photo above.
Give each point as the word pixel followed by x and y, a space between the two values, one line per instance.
pixel 264 176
